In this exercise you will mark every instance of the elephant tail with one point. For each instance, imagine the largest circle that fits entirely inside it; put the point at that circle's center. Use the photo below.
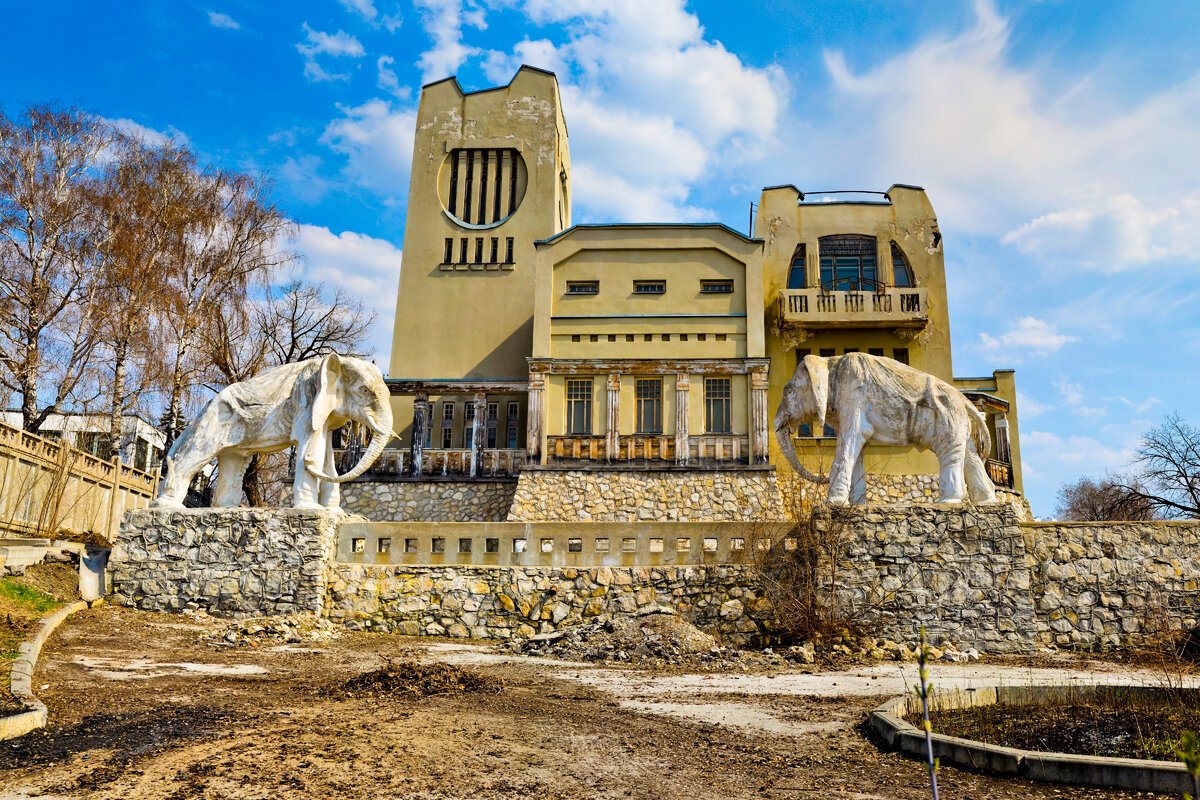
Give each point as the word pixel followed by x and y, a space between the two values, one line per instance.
pixel 979 432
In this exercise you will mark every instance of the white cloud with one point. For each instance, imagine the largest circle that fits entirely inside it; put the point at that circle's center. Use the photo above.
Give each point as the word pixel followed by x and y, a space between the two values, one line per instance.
pixel 1140 407
pixel 1070 392
pixel 151 136
pixel 1029 334
pixel 369 13
pixel 388 80
pixel 219 20
pixel 1094 455
pixel 655 108
pixel 335 45
pixel 443 20
pixel 366 266
pixel 377 142
pixel 1072 175
pixel 302 175
pixel 1028 407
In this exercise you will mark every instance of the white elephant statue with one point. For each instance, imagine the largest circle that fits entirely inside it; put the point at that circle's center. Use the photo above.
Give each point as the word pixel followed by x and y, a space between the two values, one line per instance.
pixel 297 404
pixel 869 398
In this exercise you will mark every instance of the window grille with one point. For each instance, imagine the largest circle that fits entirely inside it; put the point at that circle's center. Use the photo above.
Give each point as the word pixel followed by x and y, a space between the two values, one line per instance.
pixel 901 354
pixel 583 287
pixel 649 287
pixel 716 287
pixel 848 263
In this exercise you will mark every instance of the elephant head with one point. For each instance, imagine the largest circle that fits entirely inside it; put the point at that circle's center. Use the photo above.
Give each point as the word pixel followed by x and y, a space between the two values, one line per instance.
pixel 805 399
pixel 351 389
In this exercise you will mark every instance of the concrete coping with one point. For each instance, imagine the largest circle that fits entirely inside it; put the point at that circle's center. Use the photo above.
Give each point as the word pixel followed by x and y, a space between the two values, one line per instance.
pixel 1133 774
pixel 21 680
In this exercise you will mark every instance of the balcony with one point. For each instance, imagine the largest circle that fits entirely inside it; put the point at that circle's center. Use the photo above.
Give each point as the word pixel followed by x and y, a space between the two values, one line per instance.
pixel 649 450
pixel 886 307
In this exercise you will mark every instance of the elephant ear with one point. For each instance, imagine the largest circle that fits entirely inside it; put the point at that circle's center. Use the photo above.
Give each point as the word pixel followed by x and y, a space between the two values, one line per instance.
pixel 818 376
pixel 326 398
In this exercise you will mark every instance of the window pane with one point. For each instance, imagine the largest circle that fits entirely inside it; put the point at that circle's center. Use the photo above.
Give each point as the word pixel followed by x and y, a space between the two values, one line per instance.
pixel 579 406
pixel 717 397
pixel 826 272
pixel 648 405
pixel 797 277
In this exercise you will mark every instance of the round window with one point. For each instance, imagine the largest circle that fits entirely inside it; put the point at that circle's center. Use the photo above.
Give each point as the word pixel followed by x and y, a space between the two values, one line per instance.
pixel 481 187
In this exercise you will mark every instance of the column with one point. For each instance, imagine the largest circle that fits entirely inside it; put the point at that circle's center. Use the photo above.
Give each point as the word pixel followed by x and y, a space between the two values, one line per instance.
pixel 682 416
pixel 612 418
pixel 533 418
pixel 758 418
pixel 420 430
pixel 478 434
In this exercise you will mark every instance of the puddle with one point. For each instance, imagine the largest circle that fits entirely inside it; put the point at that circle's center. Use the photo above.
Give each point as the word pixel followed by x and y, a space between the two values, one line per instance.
pixel 127 669
pixel 742 716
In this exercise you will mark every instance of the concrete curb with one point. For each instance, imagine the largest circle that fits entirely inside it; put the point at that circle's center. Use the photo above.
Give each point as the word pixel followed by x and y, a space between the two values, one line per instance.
pixel 1132 774
pixel 21 682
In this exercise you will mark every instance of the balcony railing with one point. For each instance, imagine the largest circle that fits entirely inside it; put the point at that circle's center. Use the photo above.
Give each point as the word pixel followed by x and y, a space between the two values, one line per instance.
pixel 703 450
pixel 885 307
pixel 437 463
pixel 1000 472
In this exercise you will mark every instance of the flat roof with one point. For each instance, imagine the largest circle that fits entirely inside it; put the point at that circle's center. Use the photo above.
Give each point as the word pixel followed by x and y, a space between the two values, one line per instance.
pixel 619 225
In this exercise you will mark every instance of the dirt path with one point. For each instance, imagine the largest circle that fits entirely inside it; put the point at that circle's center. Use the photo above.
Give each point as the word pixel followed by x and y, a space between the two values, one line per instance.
pixel 141 709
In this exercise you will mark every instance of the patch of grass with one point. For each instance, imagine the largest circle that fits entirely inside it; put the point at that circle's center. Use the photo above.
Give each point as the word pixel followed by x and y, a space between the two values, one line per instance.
pixel 26 597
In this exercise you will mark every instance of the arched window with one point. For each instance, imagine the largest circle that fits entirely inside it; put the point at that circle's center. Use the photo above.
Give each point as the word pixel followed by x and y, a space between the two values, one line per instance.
pixel 798 272
pixel 901 271
pixel 848 263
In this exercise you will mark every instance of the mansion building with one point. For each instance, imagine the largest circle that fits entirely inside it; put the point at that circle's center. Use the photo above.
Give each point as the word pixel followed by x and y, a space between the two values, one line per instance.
pixel 525 344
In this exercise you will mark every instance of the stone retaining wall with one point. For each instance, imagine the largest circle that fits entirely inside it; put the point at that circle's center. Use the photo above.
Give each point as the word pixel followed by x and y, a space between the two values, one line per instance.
pixel 501 602
pixel 236 561
pixel 976 576
pixel 429 501
pixel 613 496
pixel 1105 584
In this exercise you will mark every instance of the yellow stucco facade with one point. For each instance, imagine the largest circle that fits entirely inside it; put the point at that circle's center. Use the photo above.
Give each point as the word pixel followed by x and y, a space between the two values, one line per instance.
pixel 641 345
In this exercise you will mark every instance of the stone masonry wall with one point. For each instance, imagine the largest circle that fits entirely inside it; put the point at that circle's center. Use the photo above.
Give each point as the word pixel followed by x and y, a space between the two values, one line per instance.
pixel 502 602
pixel 1107 584
pixel 236 562
pixel 959 571
pixel 554 495
pixel 431 501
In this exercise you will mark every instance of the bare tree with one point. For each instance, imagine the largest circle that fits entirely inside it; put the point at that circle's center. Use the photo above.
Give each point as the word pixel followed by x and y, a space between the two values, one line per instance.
pixel 1167 465
pixel 1088 500
pixel 300 324
pixel 227 247
pixel 48 238
pixel 139 201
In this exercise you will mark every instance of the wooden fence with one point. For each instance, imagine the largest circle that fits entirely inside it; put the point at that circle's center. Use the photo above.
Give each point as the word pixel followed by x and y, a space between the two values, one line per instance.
pixel 48 489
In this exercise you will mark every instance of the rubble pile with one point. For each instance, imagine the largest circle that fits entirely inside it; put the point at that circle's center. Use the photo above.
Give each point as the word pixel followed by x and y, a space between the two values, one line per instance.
pixel 412 679
pixel 258 631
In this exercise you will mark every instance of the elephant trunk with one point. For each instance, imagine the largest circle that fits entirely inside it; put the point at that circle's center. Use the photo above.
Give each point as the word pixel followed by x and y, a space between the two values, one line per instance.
pixel 783 434
pixel 379 439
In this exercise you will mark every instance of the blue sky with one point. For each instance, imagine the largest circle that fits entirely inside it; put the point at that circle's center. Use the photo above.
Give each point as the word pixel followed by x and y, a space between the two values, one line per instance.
pixel 1057 141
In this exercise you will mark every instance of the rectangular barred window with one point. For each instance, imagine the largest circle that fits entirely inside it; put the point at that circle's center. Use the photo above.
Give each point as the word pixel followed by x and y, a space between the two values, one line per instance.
pixel 720 337
pixel 648 405
pixel 495 251
pixel 828 352
pixel 716 287
pixel 875 351
pixel 901 354
pixel 479 250
pixel 718 398
pixel 579 406
pixel 649 287
pixel 583 287
pixel 508 249
pixel 575 337
pixel 449 254
pixel 462 251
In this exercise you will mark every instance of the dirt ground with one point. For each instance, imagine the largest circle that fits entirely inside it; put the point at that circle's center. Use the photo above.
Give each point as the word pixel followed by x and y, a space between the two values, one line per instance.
pixel 140 707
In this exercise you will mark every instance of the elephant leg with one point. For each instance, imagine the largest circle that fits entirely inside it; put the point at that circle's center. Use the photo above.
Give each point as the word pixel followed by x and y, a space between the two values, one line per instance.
pixel 231 468
pixel 183 466
pixel 858 481
pixel 849 450
pixel 979 483
pixel 950 477
pixel 305 485
pixel 330 493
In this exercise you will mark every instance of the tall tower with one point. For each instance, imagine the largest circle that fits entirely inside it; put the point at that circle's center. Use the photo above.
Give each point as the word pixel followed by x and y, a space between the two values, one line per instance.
pixel 490 176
